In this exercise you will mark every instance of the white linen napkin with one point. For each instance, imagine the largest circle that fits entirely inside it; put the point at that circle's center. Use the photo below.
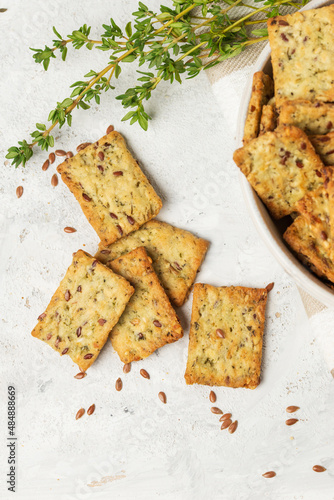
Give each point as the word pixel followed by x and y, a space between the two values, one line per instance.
pixel 228 81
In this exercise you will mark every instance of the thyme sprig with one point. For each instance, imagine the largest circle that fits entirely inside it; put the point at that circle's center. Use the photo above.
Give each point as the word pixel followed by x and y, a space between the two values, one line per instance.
pixel 177 42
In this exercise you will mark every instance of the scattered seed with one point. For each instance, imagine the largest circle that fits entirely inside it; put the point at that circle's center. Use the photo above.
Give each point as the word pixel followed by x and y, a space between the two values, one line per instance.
pixel 291 421
pixel 284 37
pixel 86 197
pixel 78 332
pixel 119 384
pixel 233 427
pixel 269 474
pixel 119 173
pixel 110 129
pixel 67 295
pixel 54 180
pixel 83 145
pixel 101 155
pixel 101 169
pixel 60 152
pixel 226 416
pixel 52 158
pixel 220 333
pixel 91 410
pixel 80 413
pixel 65 351
pixel 41 316
pixel 281 22
pixel 79 289
pixel 69 154
pixel 270 287
pixel 144 373
pixel 19 191
pixel 216 410
pixel 212 397
pixel 69 229
pixel 120 230
pixel 127 368
pixel 49 335
pixel 157 323
pixel 80 375
pixel 105 252
pixel 292 409
pixel 162 397
pixel 131 220
pixel 226 424
pixel 45 165
pixel 318 468
pixel 323 235
pixel 102 321
pixel 88 356
pixel 113 216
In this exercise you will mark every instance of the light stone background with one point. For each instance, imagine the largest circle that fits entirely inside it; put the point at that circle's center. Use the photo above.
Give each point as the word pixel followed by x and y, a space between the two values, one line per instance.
pixel 134 446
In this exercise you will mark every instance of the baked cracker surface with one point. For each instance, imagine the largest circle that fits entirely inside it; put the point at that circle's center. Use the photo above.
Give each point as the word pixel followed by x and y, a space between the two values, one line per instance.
pixel 302 55
pixel 176 254
pixel 114 194
pixel 313 117
pixel 226 332
pixel 87 304
pixel 149 321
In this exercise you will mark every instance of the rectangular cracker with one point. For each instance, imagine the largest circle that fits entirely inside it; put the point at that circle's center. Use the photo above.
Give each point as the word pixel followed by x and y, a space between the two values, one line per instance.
pixel 282 167
pixel 302 55
pixel 268 118
pixel 87 304
pixel 149 321
pixel 324 146
pixel 176 254
pixel 262 91
pixel 311 235
pixel 310 248
pixel 113 192
pixel 313 117
pixel 225 340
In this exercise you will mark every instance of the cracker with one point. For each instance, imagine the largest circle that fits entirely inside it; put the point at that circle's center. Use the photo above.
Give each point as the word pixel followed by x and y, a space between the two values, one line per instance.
pixel 225 340
pixel 176 254
pixel 302 55
pixel 262 91
pixel 324 146
pixel 87 304
pixel 310 248
pixel 312 117
pixel 149 321
pixel 113 192
pixel 282 167
pixel 268 119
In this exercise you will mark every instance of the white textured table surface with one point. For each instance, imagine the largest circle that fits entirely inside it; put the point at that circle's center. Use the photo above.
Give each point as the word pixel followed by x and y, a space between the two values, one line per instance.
pixel 133 446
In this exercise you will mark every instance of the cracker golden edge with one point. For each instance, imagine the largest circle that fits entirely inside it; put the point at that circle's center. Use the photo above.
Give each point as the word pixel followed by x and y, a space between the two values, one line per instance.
pixel 86 207
pixel 83 364
pixel 261 87
pixel 200 288
pixel 146 265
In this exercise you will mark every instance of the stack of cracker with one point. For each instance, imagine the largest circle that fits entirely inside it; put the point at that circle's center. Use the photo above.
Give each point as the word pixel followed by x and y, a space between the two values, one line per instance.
pixel 289 134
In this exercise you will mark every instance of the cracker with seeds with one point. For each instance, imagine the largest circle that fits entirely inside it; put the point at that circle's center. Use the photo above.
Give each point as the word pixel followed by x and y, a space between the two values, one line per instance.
pixel 282 167
pixel 149 321
pixel 324 146
pixel 225 340
pixel 313 117
pixel 302 55
pixel 311 235
pixel 262 91
pixel 114 194
pixel 268 118
pixel 87 304
pixel 176 254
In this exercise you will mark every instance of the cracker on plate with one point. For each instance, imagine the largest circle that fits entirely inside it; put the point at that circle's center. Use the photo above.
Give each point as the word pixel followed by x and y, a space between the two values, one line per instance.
pixel 114 194
pixel 176 254
pixel 268 118
pixel 313 117
pixel 302 55
pixel 282 167
pixel 324 146
pixel 87 304
pixel 225 340
pixel 262 91
pixel 149 321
